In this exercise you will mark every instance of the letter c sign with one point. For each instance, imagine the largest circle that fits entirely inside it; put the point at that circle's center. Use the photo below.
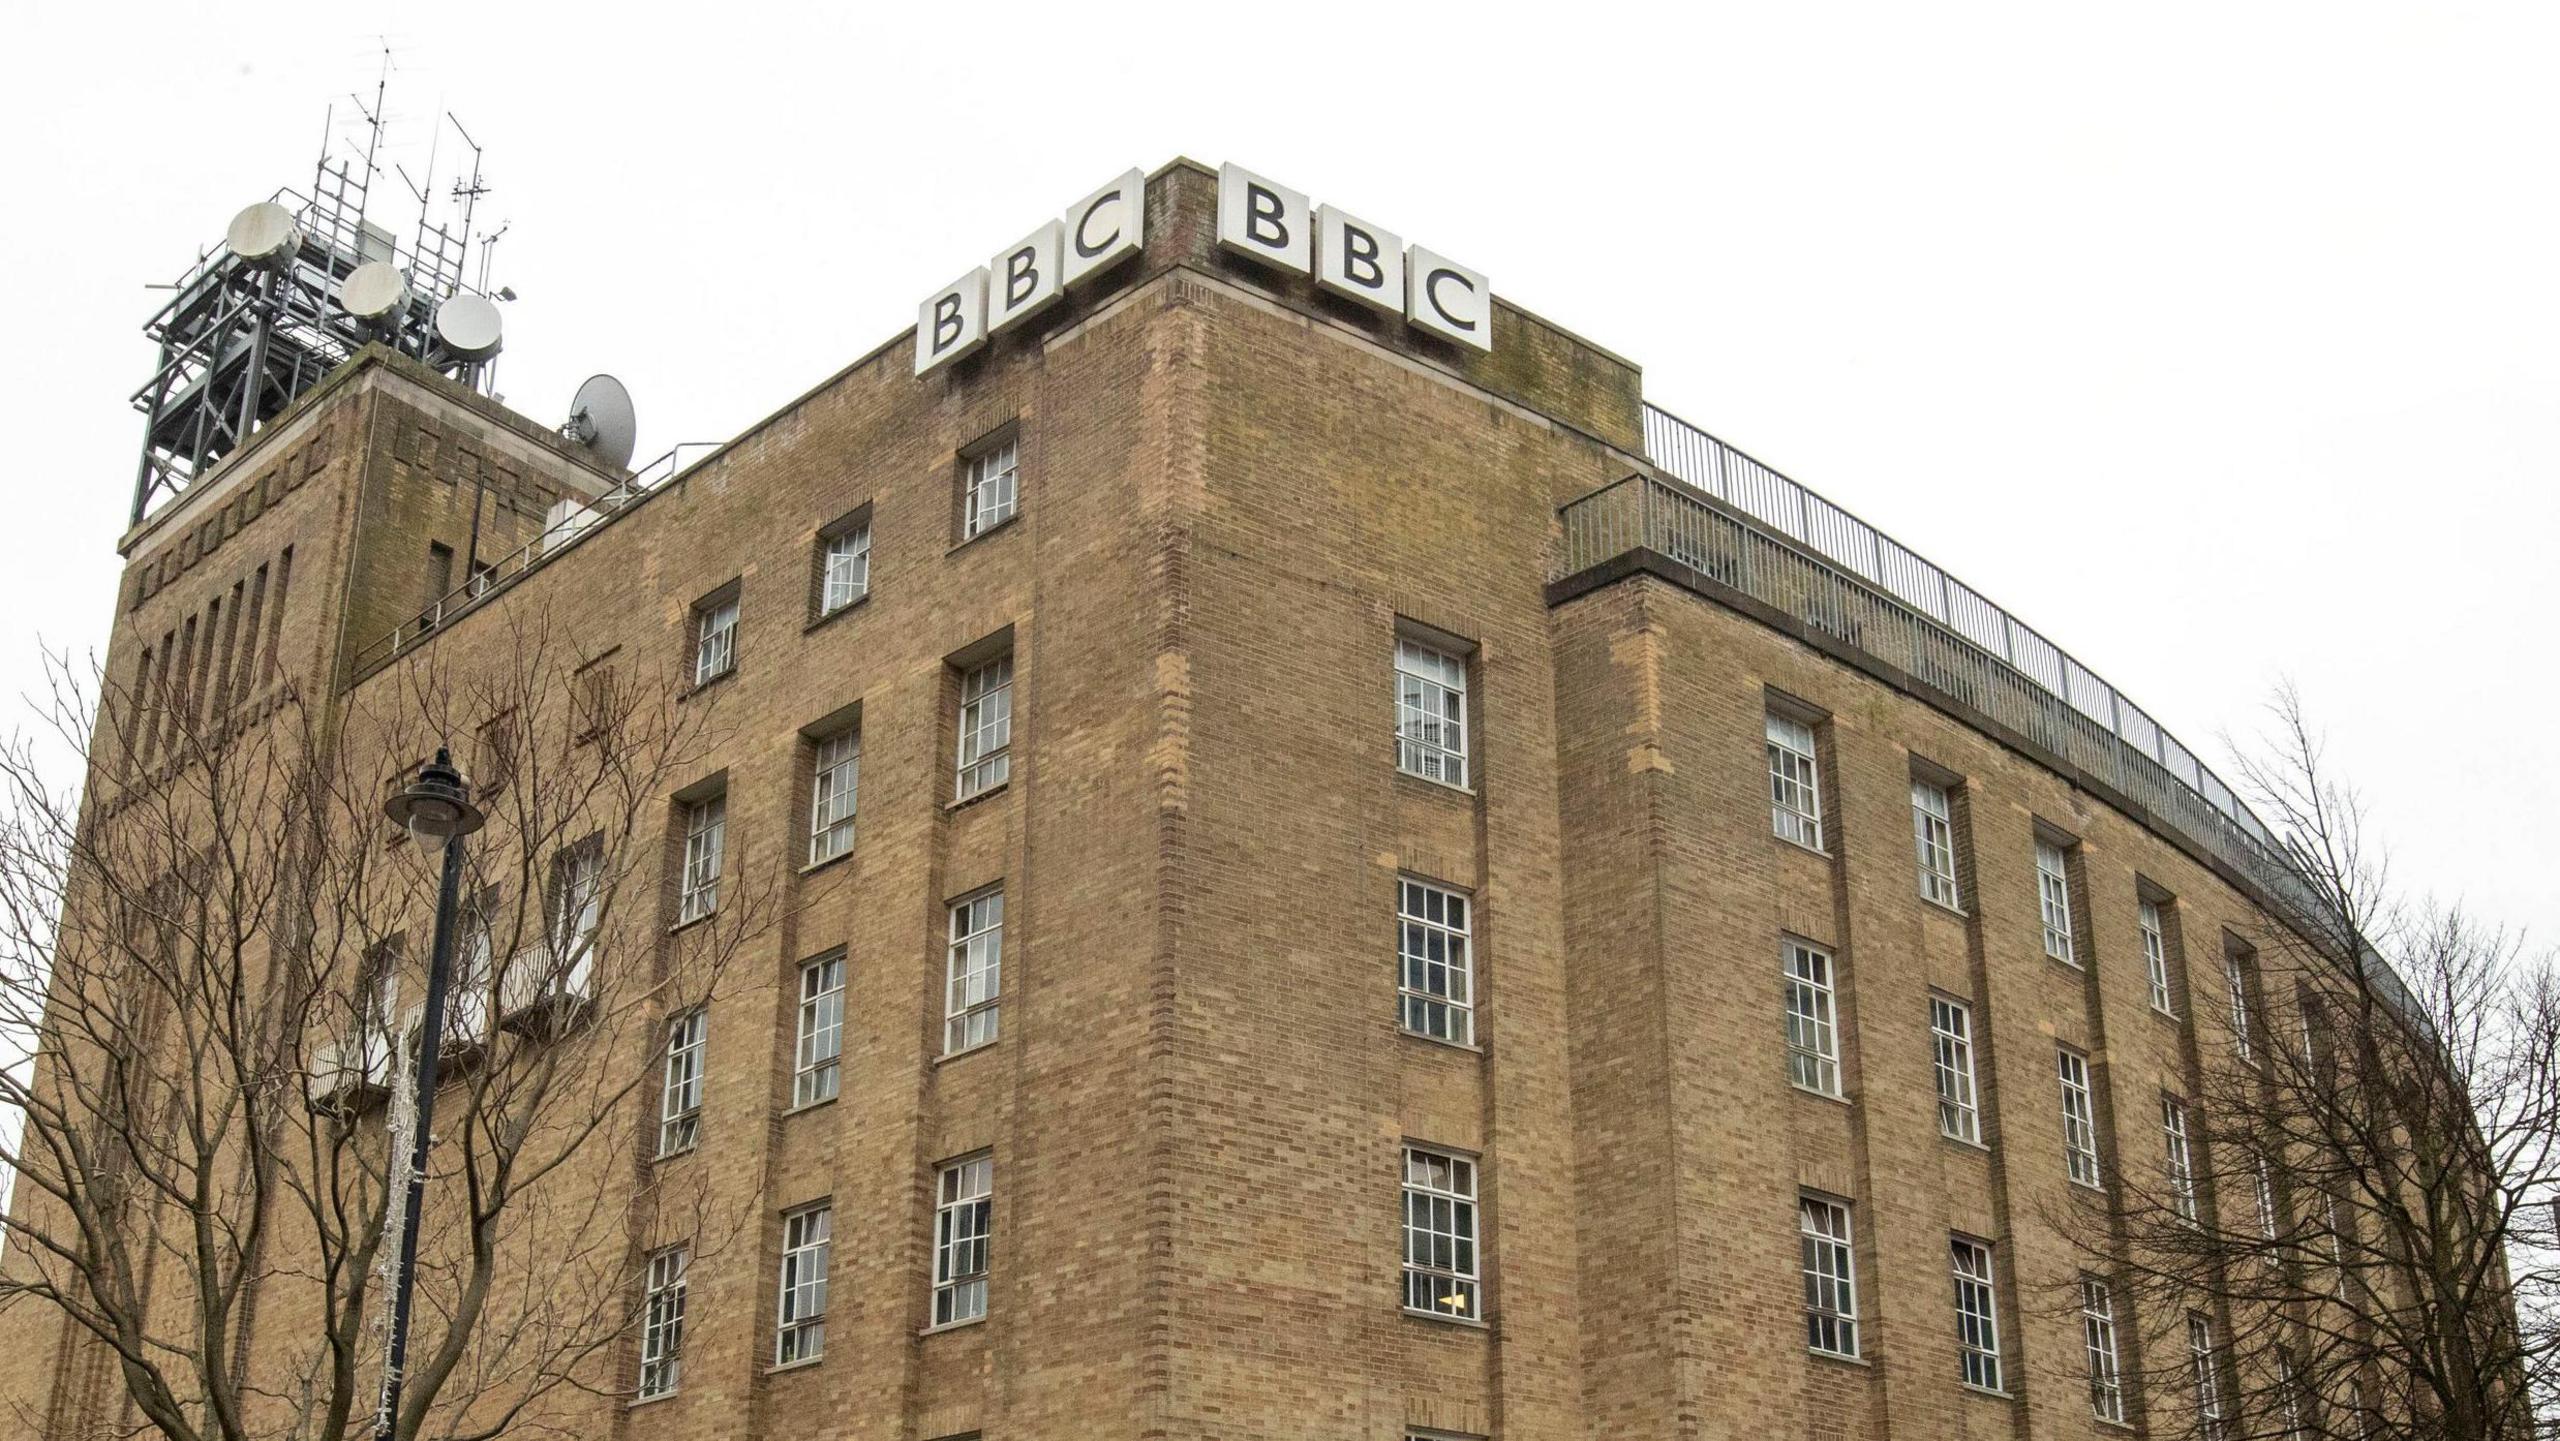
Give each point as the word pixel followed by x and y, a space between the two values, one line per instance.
pixel 1448 299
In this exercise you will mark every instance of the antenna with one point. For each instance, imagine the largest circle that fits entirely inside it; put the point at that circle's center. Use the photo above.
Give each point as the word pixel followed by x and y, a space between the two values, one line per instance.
pixel 601 419
pixel 302 282
pixel 468 191
pixel 468 327
pixel 374 292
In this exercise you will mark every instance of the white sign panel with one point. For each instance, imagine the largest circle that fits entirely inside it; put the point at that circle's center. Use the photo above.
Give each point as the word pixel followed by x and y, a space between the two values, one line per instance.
pixel 952 322
pixel 1025 280
pixel 1357 259
pixel 1106 228
pixel 1448 299
pixel 1348 256
pixel 1033 274
pixel 1262 219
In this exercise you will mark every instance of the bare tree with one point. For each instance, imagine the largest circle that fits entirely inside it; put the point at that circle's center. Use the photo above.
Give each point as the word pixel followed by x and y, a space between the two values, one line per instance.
pixel 219 954
pixel 2356 1240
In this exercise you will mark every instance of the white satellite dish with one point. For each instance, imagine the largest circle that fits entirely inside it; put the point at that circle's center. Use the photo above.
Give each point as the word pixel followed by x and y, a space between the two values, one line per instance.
pixel 601 419
pixel 468 327
pixel 264 234
pixel 375 291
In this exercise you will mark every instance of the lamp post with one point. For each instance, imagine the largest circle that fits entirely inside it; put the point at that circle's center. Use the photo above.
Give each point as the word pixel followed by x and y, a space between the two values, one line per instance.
pixel 437 805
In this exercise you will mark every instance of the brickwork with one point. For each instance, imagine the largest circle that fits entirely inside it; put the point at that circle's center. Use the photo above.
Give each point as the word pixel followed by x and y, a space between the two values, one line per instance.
pixel 1235 497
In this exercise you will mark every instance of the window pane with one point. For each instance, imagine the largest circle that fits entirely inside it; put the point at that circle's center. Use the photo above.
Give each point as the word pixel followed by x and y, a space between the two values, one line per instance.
pixel 1436 980
pixel 2053 894
pixel 1431 713
pixel 1440 1260
pixel 835 781
pixel 975 973
pixel 986 727
pixel 821 1031
pixel 1951 1032
pixel 1813 1040
pixel 1830 1277
pixel 963 1219
pixel 845 569
pixel 1795 783
pixel 1977 1314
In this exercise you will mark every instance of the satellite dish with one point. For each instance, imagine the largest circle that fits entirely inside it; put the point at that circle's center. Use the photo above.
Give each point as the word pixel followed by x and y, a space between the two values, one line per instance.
pixel 600 418
pixel 375 290
pixel 468 327
pixel 264 234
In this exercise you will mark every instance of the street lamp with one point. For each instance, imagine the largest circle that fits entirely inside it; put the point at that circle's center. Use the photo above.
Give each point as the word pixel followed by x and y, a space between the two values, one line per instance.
pixel 436 805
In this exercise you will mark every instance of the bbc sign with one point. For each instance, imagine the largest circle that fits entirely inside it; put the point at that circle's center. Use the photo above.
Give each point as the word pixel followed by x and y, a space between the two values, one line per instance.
pixel 1265 221
pixel 1034 273
pixel 1277 226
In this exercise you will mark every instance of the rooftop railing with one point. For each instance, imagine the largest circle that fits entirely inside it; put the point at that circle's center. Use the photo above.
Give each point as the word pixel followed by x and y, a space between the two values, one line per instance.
pixel 1778 543
pixel 496 576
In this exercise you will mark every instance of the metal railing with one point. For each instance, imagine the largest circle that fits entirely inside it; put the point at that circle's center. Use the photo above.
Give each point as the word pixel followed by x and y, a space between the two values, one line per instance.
pixel 1876 562
pixel 1780 544
pixel 552 540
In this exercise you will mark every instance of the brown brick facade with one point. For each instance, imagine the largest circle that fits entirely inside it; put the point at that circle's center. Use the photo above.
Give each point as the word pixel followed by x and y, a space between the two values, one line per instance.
pixel 1235 496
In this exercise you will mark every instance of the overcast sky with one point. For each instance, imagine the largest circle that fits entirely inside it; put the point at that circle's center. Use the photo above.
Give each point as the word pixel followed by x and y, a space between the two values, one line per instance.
pixel 2218 345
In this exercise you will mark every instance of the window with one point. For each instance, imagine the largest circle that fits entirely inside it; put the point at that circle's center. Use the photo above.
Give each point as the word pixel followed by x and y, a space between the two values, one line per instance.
pixel 1795 782
pixel 2053 890
pixel 1977 1313
pixel 599 701
pixel 2155 959
pixel 844 566
pixel 1440 1272
pixel 2235 973
pixel 976 972
pixel 1933 831
pixel 706 828
pixel 800 1312
pixel 1431 713
pixel 1436 982
pixel 577 898
pixel 2179 1160
pixel 1813 1033
pixel 821 1031
pixel 439 579
pixel 835 776
pixel 381 1019
pixel 2266 1188
pixel 1830 1277
pixel 466 1015
pixel 2208 1383
pixel 986 727
pixel 715 639
pixel 963 1220
pixel 2079 1120
pixel 1951 1032
pixel 2098 1337
pixel 990 484
pixel 2289 1397
pixel 662 1324
pixel 680 1098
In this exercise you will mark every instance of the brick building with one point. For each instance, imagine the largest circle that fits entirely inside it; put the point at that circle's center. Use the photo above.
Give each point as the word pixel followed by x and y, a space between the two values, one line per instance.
pixel 1324 882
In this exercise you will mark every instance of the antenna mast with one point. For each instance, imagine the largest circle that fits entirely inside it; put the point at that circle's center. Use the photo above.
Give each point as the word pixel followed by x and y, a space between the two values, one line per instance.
pixel 301 284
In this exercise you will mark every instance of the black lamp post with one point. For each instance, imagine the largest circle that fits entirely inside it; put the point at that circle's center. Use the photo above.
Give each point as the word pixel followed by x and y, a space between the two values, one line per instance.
pixel 436 805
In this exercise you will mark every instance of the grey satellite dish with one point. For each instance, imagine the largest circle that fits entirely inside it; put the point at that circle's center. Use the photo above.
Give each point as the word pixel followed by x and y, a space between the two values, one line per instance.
pixel 264 234
pixel 467 326
pixel 600 419
pixel 375 290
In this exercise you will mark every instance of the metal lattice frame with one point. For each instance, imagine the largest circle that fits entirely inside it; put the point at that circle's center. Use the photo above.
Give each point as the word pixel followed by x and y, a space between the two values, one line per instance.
pixel 239 341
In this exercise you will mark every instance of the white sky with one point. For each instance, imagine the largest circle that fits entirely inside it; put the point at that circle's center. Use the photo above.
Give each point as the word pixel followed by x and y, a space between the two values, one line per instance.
pixel 2217 346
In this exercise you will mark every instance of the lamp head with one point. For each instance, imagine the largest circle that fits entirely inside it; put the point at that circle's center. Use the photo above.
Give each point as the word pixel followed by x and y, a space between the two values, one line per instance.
pixel 437 804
